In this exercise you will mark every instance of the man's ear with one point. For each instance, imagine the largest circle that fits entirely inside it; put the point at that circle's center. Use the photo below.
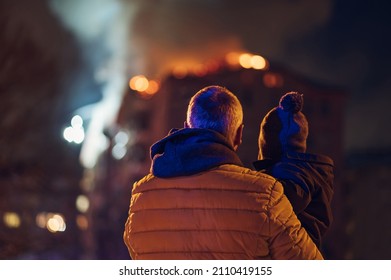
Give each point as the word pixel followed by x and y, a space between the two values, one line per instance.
pixel 238 137
pixel 185 124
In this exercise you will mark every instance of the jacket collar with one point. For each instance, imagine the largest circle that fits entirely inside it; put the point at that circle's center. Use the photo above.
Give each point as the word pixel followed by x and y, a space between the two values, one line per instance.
pixel 189 151
pixel 307 157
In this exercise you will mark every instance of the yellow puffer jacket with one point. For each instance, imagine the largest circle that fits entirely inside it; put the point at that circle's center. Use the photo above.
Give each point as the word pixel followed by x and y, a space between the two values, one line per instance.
pixel 228 212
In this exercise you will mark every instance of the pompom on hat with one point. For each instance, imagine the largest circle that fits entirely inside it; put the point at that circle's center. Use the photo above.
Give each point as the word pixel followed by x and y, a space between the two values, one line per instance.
pixel 284 128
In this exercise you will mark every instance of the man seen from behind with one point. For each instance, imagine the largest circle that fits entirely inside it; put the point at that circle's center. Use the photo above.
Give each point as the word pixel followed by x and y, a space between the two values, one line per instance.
pixel 200 202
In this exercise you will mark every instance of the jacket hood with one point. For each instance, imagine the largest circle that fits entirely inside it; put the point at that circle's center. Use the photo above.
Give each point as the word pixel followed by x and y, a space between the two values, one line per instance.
pixel 189 151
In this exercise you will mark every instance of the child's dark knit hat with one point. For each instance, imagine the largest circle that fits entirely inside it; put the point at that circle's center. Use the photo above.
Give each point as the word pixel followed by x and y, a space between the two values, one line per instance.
pixel 284 128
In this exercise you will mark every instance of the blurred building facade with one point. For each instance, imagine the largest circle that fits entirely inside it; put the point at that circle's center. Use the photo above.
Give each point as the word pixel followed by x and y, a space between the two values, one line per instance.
pixel 40 173
pixel 147 118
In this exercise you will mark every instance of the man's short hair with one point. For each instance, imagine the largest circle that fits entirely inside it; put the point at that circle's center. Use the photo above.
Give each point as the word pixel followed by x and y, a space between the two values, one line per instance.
pixel 215 107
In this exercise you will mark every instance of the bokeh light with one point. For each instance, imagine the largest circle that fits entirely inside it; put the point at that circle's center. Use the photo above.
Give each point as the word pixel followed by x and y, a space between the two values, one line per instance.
pixel 56 223
pixel 53 222
pixel 75 132
pixel 82 203
pixel 139 83
pixel 272 80
pixel 82 222
pixel 245 60
pixel 258 62
pixel 11 219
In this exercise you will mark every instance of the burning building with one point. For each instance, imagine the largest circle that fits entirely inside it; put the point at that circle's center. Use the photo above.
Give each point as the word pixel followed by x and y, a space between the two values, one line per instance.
pixel 148 114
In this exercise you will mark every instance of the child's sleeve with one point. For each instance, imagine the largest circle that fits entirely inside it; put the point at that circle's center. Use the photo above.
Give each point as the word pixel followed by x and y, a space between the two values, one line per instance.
pixel 297 184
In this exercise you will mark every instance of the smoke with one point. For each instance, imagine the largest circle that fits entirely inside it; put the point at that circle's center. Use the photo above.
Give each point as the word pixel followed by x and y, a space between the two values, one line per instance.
pixel 102 29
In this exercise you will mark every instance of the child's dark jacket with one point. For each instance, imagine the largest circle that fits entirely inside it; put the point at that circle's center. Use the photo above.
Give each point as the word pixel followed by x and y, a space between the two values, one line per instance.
pixel 308 184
